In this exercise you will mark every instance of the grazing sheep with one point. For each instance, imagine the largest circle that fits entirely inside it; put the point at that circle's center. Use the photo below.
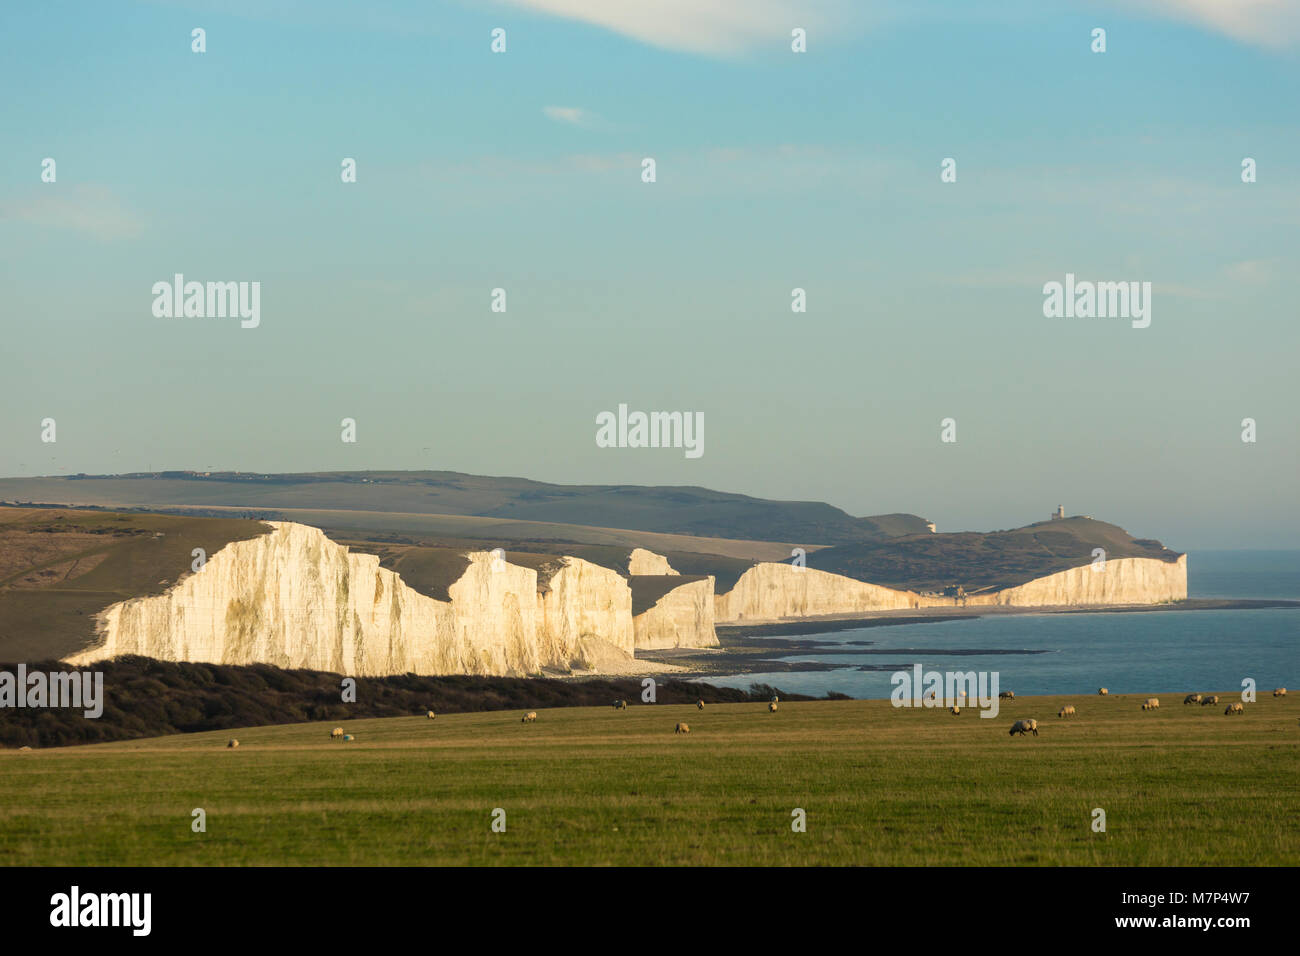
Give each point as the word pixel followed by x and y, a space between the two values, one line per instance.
pixel 620 705
pixel 1021 727
pixel 431 715
pixel 771 707
pixel 775 699
pixel 1212 699
pixel 682 729
pixel 699 704
pixel 1151 703
pixel 529 717
pixel 1279 692
pixel 336 733
pixel 232 743
pixel 1191 699
pixel 1102 691
pixel 1236 707
pixel 1007 695
pixel 348 738
pixel 23 750
pixel 1066 711
pixel 954 710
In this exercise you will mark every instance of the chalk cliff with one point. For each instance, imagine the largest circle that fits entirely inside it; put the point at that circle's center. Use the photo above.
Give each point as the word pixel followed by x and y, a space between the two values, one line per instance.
pixel 1119 581
pixel 585 603
pixel 683 617
pixel 775 592
pixel 642 561
pixel 771 592
pixel 294 598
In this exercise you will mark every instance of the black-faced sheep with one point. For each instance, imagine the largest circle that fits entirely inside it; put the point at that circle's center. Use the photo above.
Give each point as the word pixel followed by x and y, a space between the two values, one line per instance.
pixel 1151 703
pixel 1279 692
pixel 1007 695
pixel 529 717
pixel 1212 699
pixel 771 707
pixel 232 743
pixel 1066 711
pixel 682 729
pixel 1102 691
pixel 431 715
pixel 1027 725
pixel 336 733
pixel 1236 707
pixel 954 710
pixel 699 705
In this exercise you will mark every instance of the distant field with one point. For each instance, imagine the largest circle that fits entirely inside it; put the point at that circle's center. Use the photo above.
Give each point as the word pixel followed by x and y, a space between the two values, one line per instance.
pixel 881 786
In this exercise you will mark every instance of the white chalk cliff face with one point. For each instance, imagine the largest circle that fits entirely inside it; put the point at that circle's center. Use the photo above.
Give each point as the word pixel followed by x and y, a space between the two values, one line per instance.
pixel 642 561
pixel 770 592
pixel 294 598
pixel 775 592
pixel 681 618
pixel 586 603
pixel 1118 581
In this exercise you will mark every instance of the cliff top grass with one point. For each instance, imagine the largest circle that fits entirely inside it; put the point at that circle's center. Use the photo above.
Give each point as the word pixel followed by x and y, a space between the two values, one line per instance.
pixel 880 785
pixel 59 568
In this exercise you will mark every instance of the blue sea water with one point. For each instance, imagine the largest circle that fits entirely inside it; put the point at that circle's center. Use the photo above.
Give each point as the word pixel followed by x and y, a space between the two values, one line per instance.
pixel 1141 652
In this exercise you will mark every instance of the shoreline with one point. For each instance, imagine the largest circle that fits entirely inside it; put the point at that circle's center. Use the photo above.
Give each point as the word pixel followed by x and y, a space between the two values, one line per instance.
pixel 737 654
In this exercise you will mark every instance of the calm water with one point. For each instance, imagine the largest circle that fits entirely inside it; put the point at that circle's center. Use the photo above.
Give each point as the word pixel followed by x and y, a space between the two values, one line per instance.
pixel 1151 651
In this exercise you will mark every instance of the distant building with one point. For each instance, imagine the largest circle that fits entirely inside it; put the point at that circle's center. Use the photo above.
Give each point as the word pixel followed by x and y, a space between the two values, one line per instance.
pixel 1059 513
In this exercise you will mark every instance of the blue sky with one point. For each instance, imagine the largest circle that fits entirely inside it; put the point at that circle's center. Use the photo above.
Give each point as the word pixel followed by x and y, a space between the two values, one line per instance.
pixel 775 170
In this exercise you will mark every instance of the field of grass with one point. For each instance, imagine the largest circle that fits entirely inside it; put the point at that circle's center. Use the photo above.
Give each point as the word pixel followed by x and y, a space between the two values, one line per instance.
pixel 1184 785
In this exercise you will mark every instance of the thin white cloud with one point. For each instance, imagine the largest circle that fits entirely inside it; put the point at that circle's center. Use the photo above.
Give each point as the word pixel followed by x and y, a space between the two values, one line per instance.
pixel 1271 23
pixel 92 210
pixel 573 115
pixel 701 26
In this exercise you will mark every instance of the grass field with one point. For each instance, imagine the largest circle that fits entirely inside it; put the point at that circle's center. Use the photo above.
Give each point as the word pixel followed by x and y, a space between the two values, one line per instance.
pixel 1183 785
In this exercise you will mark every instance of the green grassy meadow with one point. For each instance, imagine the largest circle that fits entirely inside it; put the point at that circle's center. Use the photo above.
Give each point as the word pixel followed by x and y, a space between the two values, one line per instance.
pixel 1183 785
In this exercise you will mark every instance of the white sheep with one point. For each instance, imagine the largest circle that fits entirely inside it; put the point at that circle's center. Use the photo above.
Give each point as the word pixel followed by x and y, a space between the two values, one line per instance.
pixel 1236 707
pixel 336 733
pixel 431 715
pixel 1027 725
pixel 699 705
pixel 1102 691
pixel 955 710
pixel 1151 703
pixel 1066 711
pixel 771 707
pixel 232 743
pixel 682 728
pixel 1279 692
pixel 529 717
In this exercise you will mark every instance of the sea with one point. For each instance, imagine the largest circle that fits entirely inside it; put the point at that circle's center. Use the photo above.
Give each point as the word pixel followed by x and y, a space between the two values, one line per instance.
pixel 1171 652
